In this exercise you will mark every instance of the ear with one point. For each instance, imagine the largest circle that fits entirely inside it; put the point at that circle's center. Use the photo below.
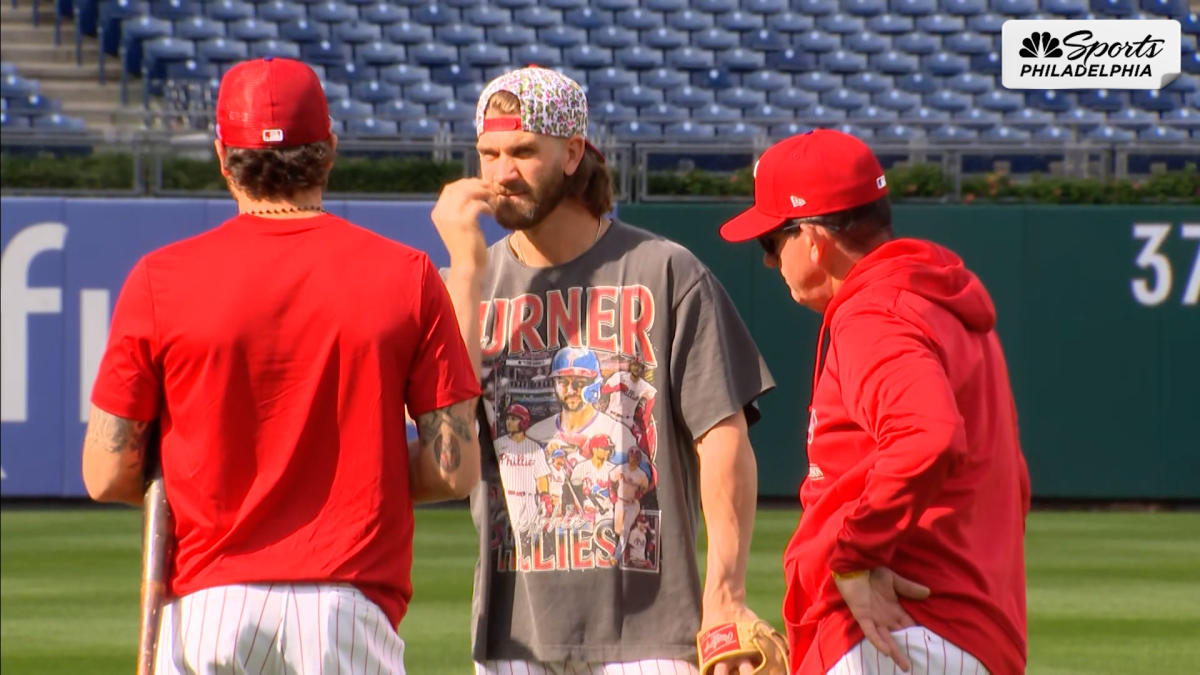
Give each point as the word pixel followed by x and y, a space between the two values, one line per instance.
pixel 575 149
pixel 820 241
pixel 220 148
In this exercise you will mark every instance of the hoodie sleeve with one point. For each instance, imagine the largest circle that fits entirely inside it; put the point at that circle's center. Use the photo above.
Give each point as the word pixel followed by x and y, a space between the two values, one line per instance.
pixel 895 387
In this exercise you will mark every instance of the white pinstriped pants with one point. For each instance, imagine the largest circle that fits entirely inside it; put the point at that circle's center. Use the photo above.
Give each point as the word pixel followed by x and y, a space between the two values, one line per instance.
pixel 318 629
pixel 928 652
pixel 644 667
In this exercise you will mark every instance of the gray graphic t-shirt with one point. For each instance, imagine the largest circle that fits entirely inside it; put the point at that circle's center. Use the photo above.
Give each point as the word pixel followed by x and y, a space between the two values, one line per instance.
pixel 598 376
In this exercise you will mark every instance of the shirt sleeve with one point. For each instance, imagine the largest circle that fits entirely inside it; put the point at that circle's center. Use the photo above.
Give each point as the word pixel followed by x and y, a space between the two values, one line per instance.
pixel 441 373
pixel 715 366
pixel 895 387
pixel 129 380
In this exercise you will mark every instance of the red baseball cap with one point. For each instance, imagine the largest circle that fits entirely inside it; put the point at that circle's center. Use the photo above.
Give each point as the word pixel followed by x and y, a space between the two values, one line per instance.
pixel 271 103
pixel 812 174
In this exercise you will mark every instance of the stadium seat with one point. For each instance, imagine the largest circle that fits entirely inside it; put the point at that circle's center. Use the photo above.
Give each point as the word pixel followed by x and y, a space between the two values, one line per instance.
pixel 766 80
pixel 1052 134
pixel 1079 118
pixel 864 7
pixel 222 52
pixel 790 61
pixel 986 64
pixel 639 18
pixel 229 10
pixel 964 7
pixel 458 34
pixel 253 30
pixel 435 54
pixel 612 112
pixel 715 38
pixel 1103 100
pixel 1190 62
pixel 715 113
pixel 790 22
pixel 638 96
pixel 767 114
pixel 1132 118
pixel 714 6
pixel 918 83
pixel 374 91
pixel 58 123
pixel 1000 100
pixel 665 38
pixel 689 20
pixel 713 78
pixel 1165 8
pixel 335 90
pixel 764 6
pixel 611 78
pixel 896 133
pixel 844 99
pixel 989 24
pixel 451 75
pixel 615 5
pixel 869 82
pixel 870 114
pixel 537 54
pixel 976 118
pixel 512 36
pixel 470 92
pixel 917 43
pixel 383 14
pixel 688 96
pixel 945 64
pixel 452 111
pixel 325 53
pixel 968 42
pixel 332 11
pixel 914 7
pixel 890 24
pixel 690 58
pixel 951 134
pixel 741 60
pixel 740 21
pixel 895 99
pixel 32 105
pixel 842 61
pixel 432 14
pixel 587 18
pixel 348 72
pixel 663 113
pixel 134 32
pixel 1182 117
pixel 422 128
pixel 303 31
pixel 562 36
pixel 924 115
pixel 199 28
pixel 970 83
pixel 347 109
pixel 818 81
pixel 537 17
pixel 793 98
pixel 613 37
pixel 487 16
pixel 740 131
pixel 398 110
pixel 740 97
pixel 428 93
pixel 1158 101
pixel 110 17
pixel 1053 101
pixel 867 42
pixel 816 41
pixel 859 132
pixel 947 100
pixel 508 4
pixel 941 24
pixel 275 48
pixel 1113 7
pixel 664 78
pixel 280 11
pixel 1108 134
pixel 633 130
pixel 371 126
pixel 378 53
pixel 586 56
pixel 893 62
pixel 787 130
pixel 666 5
pixel 840 23
pixel 815 7
pixel 638 57
pixel 1064 8
pixel 1003 134
pixel 765 40
pixel 15 86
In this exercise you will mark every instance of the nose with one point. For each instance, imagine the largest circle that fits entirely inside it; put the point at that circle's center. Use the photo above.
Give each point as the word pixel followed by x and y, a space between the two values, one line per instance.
pixel 505 170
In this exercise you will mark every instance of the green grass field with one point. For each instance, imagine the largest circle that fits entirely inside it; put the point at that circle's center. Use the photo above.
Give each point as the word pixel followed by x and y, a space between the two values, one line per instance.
pixel 1108 592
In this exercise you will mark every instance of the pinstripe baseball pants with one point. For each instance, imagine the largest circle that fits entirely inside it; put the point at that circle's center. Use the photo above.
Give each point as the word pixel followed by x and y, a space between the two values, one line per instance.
pixel 644 667
pixel 277 628
pixel 927 651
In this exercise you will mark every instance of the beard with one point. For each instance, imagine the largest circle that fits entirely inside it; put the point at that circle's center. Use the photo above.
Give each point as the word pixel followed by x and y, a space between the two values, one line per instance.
pixel 526 206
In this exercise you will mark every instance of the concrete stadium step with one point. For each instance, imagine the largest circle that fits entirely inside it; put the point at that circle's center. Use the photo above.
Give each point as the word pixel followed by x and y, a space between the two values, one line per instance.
pixel 88 72
pixel 19 52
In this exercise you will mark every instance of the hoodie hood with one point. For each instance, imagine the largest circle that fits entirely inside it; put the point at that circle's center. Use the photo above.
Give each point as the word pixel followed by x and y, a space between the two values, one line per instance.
pixel 927 269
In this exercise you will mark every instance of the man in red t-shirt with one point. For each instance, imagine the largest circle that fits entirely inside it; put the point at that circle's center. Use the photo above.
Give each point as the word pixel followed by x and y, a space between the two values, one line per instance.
pixel 911 547
pixel 277 353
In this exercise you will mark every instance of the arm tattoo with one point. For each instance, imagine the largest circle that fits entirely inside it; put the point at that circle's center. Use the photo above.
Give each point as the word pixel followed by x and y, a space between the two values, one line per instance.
pixel 117 434
pixel 442 430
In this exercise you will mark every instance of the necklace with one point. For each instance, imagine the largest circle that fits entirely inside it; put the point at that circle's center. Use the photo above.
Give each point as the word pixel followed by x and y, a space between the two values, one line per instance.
pixel 286 209
pixel 516 243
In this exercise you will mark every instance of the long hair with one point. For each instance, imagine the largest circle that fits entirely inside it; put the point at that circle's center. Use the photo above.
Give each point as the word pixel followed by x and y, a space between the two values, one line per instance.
pixel 279 173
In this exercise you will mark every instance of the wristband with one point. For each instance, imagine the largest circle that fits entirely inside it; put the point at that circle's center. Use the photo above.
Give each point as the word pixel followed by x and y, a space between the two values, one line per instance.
pixel 843 576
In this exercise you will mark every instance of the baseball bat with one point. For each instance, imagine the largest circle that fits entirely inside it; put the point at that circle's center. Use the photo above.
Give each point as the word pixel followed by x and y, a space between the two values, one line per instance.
pixel 157 543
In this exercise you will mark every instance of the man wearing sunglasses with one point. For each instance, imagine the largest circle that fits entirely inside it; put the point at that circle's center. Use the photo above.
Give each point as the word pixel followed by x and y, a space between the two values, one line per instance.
pixel 910 551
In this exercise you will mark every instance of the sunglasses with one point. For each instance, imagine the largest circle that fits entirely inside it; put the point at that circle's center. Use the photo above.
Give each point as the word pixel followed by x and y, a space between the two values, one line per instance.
pixel 772 240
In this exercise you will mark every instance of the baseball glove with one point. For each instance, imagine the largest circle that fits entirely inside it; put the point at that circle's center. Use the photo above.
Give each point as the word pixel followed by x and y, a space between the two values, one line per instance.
pixel 756 639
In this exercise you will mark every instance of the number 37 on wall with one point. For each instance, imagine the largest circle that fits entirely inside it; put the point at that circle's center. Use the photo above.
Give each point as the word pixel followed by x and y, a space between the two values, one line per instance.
pixel 1156 288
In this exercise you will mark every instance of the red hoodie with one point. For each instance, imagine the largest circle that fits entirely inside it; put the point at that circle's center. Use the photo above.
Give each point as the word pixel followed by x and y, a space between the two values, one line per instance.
pixel 914 462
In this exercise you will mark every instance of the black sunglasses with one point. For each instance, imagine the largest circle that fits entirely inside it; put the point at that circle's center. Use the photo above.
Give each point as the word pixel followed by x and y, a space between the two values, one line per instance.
pixel 771 240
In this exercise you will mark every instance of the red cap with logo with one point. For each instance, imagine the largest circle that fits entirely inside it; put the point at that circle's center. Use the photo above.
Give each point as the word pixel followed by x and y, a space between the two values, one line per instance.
pixel 812 174
pixel 271 103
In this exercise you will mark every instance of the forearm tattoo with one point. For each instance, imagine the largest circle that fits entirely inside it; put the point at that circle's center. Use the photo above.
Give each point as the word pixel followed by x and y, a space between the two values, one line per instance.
pixel 443 431
pixel 117 434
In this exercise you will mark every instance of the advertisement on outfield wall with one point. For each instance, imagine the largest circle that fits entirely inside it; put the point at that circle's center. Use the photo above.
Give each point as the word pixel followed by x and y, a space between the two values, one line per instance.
pixel 64 261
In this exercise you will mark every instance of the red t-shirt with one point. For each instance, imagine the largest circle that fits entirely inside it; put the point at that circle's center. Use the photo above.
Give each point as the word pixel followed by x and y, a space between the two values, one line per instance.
pixel 278 356
pixel 914 462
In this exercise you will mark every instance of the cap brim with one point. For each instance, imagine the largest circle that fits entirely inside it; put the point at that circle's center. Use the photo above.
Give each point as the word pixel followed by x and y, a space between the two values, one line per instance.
pixel 749 224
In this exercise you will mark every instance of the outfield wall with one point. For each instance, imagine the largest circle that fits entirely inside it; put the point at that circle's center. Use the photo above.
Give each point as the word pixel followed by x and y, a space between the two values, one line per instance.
pixel 1098 312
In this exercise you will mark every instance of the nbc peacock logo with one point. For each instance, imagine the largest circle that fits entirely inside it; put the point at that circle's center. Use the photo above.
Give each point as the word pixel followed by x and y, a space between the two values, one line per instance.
pixel 1040 46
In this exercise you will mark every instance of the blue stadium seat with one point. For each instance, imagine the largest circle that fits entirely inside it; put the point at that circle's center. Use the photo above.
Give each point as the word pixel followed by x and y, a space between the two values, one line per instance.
pixel 818 80
pixel 986 64
pixel 823 116
pixel 1132 118
pixel 157 54
pixel 347 109
pixel 1108 134
pixel 111 16
pixel 859 132
pixel 374 91
pixel 1158 101
pixel 690 58
pixel 793 98
pixel 398 110
pixel 134 32
pixel 817 41
pixel 15 86
pixel 1103 99
pixel 895 99
pixel 867 42
pixel 511 4
pixel 335 90
pixel 890 24
pixel 1113 7
pixel 348 72
pixel 1064 8
pixel 613 37
pixel 303 31
pixel 379 53
pixel 924 115
pixel 332 11
pixel 715 113
pixel 989 24
pixel 370 126
pixel 766 80
pixel 588 18
pixel 408 33
pixel 840 23
pixel 664 78
pixel 714 6
pixel 482 55
pixel 741 97
pixel 740 21
pixel 1053 101
pixel 325 53
pixel 864 7
pixel 844 99
pixel 383 13
pixel 451 75
pixel 548 57
pixel 1080 118
pixel 612 112
pixel 941 24
pixel 765 6
pixel 470 92
pixel 964 7
pixel 790 61
pixel 713 78
pixel 1003 134
pixel 639 18
pixel 537 17
pixel 952 134
pixel 689 20
pixel 1053 134
pixel 663 113
pixel 918 83
pixel 280 11
pixel 1018 8
pixel 562 36
pixel 894 63
pixel 199 28
pixel 435 54
pixel 229 10
pixel 615 5
pixel 688 96
pixel 487 16
pixel 787 130
pixel 638 57
pixel 869 82
pixel 871 114
pixel 275 48
pixel 422 128
pixel 1000 100
pixel 611 78
pixel 638 96
pixel 222 51
pixel 740 60
pixel 968 42
pixel 253 30
pixel 458 34
pixel 13 121
pixel 767 114
pixel 665 38
pixel 633 130
pixel 945 64
pixel 59 123
pixel 666 5
pixel 944 99
pixel 1190 62
pixel 970 83
pixel 1166 8
pixel 740 131
pixel 790 22
pixel 452 111
pixel 512 36
pixel 428 93
pixel 976 118
pixel 842 61
pixel 896 133
pixel 815 7
pixel 715 39
pixel 917 43
pixel 1182 117
pixel 432 14
pixel 765 40
pixel 914 7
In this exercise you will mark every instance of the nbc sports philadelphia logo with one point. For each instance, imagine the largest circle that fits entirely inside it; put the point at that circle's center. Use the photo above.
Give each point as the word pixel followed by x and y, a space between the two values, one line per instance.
pixel 1067 54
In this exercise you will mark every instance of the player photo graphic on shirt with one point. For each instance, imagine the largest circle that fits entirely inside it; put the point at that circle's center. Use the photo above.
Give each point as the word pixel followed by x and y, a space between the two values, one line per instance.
pixel 575 443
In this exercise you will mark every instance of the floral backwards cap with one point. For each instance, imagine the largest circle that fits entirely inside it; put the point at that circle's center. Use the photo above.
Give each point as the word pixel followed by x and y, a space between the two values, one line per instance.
pixel 551 104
